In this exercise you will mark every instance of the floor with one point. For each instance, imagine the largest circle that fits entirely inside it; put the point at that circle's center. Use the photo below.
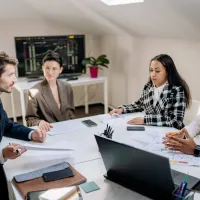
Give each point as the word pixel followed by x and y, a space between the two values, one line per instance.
pixel 93 110
pixel 80 111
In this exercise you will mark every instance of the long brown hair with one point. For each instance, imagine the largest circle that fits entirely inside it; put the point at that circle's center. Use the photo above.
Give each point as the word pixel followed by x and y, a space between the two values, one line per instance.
pixel 173 76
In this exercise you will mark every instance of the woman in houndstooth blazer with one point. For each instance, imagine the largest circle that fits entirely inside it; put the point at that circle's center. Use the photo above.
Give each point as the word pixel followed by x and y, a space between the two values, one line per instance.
pixel 164 98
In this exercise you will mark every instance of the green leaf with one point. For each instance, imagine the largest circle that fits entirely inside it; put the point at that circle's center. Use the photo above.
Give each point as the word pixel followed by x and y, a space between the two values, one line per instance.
pixel 103 65
pixel 100 61
pixel 85 62
pixel 102 56
pixel 92 58
pixel 106 61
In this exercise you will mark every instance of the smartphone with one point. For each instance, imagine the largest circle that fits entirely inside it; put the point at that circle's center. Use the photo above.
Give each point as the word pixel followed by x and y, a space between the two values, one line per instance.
pixel 89 123
pixel 56 175
pixel 135 128
pixel 34 195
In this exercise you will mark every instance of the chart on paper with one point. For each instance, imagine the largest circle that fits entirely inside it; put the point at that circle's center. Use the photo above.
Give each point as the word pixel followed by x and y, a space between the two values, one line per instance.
pixel 183 159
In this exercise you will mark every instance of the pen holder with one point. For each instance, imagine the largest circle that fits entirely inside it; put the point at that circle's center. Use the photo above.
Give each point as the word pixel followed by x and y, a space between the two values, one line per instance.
pixel 188 195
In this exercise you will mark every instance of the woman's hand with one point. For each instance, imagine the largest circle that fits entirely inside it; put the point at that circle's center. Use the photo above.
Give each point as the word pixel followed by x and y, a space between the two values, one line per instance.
pixel 137 120
pixel 181 133
pixel 118 111
pixel 45 126
pixel 186 145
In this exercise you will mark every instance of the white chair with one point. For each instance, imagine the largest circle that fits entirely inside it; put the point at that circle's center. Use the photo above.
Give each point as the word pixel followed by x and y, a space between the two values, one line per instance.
pixel 192 112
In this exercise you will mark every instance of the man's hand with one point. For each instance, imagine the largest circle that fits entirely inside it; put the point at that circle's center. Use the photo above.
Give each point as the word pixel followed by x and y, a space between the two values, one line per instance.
pixel 137 120
pixel 13 151
pixel 38 135
pixel 43 125
pixel 186 145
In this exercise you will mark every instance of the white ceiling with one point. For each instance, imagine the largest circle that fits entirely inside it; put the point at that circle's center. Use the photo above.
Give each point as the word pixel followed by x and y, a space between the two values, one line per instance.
pixel 154 18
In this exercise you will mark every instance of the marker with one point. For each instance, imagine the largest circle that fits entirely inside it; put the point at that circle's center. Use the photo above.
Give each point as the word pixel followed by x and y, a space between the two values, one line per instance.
pixel 184 185
pixel 179 189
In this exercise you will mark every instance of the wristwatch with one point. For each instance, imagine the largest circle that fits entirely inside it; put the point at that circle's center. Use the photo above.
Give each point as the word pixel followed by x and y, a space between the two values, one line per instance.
pixel 197 151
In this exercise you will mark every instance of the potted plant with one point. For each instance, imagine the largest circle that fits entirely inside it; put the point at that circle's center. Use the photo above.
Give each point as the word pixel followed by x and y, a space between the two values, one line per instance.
pixel 95 63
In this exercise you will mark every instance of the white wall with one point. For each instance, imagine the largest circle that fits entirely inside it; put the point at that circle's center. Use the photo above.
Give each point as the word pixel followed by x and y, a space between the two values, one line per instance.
pixel 122 52
pixel 130 59
pixel 185 53
pixel 10 29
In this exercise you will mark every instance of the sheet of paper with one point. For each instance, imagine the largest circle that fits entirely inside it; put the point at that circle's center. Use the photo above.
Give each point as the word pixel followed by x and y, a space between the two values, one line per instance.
pixel 44 148
pixel 135 143
pixel 70 193
pixel 144 136
pixel 175 157
pixel 113 120
pixel 138 139
pixel 65 127
pixel 183 159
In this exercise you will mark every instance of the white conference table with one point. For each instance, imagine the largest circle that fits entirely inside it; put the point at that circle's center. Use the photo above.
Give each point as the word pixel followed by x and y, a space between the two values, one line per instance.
pixel 22 85
pixel 86 159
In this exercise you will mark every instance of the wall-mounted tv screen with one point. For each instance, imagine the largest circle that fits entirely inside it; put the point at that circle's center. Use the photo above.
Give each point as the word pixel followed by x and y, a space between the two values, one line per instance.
pixel 31 50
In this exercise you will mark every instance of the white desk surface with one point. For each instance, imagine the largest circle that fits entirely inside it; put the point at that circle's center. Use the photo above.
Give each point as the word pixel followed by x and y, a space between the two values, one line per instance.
pixel 86 159
pixel 23 84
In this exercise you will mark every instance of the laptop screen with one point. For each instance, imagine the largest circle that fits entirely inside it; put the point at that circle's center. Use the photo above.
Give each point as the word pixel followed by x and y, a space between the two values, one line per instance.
pixel 131 165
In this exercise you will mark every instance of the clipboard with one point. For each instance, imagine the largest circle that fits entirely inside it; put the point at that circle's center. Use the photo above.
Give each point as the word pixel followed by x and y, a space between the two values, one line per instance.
pixel 39 184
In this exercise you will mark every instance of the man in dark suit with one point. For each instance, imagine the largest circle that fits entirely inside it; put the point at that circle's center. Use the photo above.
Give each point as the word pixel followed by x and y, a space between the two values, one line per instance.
pixel 9 128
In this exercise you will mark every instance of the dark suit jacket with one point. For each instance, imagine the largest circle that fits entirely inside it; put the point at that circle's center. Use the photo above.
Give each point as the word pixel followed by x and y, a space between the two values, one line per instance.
pixel 12 129
pixel 42 105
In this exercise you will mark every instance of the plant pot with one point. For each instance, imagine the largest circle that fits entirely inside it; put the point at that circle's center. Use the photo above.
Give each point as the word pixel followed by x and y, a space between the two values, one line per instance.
pixel 93 72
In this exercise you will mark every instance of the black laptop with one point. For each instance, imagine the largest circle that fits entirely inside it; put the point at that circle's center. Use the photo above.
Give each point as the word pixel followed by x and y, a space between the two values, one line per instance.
pixel 144 172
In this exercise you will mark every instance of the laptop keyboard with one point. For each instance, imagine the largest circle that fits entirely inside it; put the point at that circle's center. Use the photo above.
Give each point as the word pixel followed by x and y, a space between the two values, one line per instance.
pixel 174 173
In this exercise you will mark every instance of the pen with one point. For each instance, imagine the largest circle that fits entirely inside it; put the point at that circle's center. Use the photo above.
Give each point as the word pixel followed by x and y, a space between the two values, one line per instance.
pixel 18 151
pixel 184 186
pixel 179 189
pixel 175 133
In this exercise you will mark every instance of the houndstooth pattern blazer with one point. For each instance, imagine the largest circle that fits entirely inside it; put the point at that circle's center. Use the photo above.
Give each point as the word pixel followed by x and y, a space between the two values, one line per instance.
pixel 169 109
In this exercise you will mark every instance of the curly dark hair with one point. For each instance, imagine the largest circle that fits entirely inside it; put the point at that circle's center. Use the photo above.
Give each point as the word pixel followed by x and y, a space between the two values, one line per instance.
pixel 6 59
pixel 53 56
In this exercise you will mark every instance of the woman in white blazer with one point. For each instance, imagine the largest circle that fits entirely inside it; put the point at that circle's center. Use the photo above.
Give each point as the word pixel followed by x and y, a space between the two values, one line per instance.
pixel 184 141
